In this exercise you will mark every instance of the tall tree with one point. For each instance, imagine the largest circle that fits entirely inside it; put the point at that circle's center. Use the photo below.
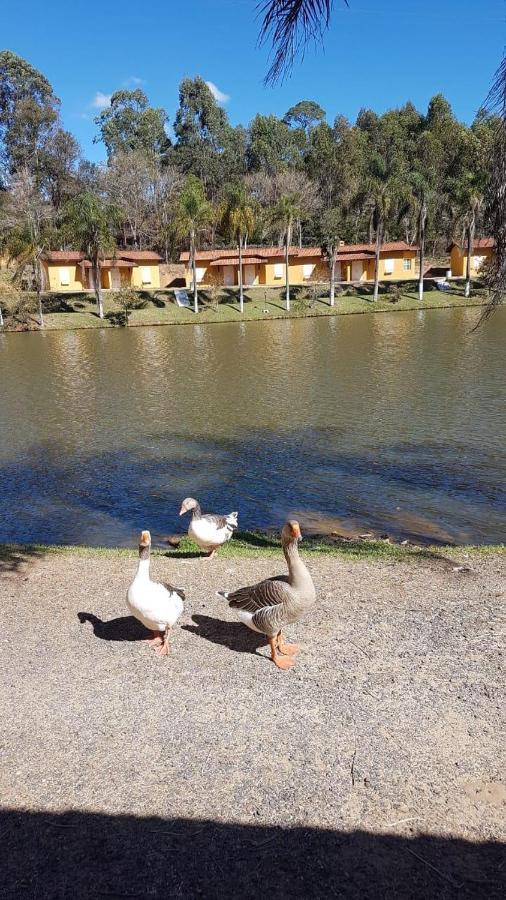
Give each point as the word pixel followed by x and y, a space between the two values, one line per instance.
pixel 27 220
pixel 304 193
pixel 60 158
pixel 288 209
pixel 193 216
pixel 206 145
pixel 166 186
pixel 306 114
pixel 421 194
pixel 238 218
pixel 496 194
pixel 468 188
pixel 89 224
pixel 28 113
pixel 331 227
pixel 129 184
pixel 129 123
pixel 273 146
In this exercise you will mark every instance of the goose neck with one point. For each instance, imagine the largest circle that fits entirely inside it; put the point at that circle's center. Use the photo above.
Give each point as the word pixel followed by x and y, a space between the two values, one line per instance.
pixel 296 568
pixel 143 567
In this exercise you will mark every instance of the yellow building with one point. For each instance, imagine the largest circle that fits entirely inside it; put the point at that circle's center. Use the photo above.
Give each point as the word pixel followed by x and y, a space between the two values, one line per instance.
pixel 64 271
pixel 69 270
pixel 483 253
pixel 266 265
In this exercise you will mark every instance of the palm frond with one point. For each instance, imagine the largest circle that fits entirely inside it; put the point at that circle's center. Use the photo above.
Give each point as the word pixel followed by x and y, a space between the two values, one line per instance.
pixel 289 25
pixel 496 200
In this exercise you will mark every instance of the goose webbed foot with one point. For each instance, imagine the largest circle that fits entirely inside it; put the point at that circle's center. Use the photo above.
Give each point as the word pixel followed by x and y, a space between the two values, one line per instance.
pixel 282 662
pixel 287 649
pixel 156 639
pixel 164 648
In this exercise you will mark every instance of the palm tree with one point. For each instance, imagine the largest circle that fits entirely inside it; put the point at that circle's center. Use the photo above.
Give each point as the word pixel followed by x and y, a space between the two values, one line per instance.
pixel 193 214
pixel 89 224
pixel 469 224
pixel 26 222
pixel 496 197
pixel 385 190
pixel 288 209
pixel 331 226
pixel 382 197
pixel 238 217
pixel 290 24
pixel 420 199
pixel 468 200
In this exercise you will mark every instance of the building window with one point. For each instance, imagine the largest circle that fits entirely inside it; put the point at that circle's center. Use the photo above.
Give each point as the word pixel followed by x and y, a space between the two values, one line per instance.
pixel 388 266
pixel 279 270
pixel 307 270
pixel 64 277
pixel 146 274
pixel 200 274
pixel 406 264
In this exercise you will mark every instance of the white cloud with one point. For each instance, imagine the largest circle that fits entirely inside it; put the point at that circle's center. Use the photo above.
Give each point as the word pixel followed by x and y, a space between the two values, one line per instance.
pixel 100 100
pixel 134 81
pixel 217 94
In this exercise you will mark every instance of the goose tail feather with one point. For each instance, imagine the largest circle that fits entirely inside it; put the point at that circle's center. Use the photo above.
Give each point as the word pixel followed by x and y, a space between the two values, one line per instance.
pixel 223 594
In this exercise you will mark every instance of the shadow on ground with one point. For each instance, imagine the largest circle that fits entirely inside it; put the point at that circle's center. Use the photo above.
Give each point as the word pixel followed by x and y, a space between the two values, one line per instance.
pixel 124 628
pixel 228 634
pixel 89 855
pixel 16 558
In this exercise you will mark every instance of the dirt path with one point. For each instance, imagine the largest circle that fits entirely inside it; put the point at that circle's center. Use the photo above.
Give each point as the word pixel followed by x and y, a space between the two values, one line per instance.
pixel 372 769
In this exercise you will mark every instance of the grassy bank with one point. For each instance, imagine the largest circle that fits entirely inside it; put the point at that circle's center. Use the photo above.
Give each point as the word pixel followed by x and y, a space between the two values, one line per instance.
pixel 257 544
pixel 74 311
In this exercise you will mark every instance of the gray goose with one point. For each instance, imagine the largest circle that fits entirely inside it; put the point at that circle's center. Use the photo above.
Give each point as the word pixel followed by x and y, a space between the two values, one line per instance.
pixel 270 605
pixel 208 531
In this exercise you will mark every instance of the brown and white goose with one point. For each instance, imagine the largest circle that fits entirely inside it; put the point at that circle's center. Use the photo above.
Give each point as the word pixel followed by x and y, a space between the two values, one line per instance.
pixel 270 605
pixel 208 531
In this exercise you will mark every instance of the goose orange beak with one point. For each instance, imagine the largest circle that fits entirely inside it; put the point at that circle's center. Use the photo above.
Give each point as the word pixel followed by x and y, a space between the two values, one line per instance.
pixel 145 537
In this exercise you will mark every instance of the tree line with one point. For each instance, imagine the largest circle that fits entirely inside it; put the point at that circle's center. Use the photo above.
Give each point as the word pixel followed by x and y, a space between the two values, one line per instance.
pixel 423 177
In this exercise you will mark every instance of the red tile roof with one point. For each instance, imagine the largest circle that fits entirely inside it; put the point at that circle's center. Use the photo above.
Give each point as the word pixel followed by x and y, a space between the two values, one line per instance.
pixel 63 256
pixel 218 257
pixel 140 255
pixel 349 257
pixel 234 260
pixel 478 244
pixel 117 263
pixel 123 257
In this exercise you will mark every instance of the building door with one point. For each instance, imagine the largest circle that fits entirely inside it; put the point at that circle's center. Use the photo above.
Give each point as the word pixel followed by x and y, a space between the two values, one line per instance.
pixel 115 279
pixel 249 274
pixel 228 275
pixel 356 270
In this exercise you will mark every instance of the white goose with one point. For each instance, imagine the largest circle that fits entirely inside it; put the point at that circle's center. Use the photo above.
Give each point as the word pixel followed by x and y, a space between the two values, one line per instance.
pixel 208 531
pixel 157 606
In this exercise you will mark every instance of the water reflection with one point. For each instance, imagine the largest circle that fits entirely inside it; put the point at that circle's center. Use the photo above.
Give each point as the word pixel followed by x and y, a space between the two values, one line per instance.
pixel 392 422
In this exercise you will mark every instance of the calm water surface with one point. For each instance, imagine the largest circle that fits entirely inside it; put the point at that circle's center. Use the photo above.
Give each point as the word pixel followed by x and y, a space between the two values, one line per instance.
pixel 392 421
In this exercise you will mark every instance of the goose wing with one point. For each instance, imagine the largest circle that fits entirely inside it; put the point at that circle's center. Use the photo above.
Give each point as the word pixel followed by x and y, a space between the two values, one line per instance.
pixel 265 601
pixel 222 521
pixel 173 590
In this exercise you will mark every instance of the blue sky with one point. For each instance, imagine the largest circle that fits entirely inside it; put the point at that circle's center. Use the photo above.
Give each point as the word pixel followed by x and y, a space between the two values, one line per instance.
pixel 378 54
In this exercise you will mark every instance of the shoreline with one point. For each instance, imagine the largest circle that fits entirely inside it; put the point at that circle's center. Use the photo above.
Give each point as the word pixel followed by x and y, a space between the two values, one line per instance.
pixel 257 544
pixel 172 315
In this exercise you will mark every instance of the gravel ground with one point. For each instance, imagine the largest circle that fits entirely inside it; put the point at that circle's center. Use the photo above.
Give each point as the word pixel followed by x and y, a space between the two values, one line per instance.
pixel 372 769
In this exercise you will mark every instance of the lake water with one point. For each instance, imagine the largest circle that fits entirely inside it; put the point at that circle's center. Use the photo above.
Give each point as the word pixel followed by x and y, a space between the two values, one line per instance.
pixel 394 422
